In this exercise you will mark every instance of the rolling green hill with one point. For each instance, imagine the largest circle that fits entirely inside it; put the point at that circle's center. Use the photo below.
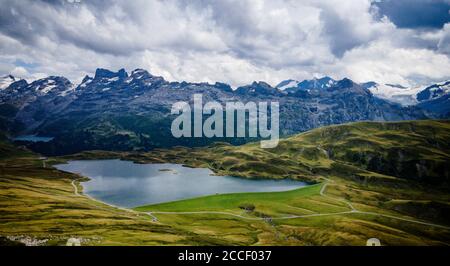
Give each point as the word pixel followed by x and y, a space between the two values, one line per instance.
pixel 415 150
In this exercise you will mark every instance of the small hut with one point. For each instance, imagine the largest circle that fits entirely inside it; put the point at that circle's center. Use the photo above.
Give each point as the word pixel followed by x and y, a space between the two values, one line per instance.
pixel 373 242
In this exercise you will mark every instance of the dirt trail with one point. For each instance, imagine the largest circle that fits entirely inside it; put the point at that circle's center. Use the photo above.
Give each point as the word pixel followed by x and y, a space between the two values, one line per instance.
pixel 353 210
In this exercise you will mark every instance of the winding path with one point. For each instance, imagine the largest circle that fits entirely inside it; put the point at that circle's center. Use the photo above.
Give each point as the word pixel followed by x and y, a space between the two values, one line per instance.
pixel 253 218
pixel 298 216
pixel 75 188
pixel 353 210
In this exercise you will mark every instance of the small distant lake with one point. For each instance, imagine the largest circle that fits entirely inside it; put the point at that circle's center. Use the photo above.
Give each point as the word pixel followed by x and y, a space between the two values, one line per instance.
pixel 126 184
pixel 33 138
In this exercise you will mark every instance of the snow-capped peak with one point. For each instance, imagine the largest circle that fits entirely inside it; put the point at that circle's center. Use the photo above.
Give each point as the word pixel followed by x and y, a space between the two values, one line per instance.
pixel 86 80
pixel 6 81
pixel 434 91
pixel 50 84
pixel 407 96
pixel 45 85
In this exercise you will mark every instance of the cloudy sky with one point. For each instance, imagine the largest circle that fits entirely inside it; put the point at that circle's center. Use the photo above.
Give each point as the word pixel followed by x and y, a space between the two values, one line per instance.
pixel 403 42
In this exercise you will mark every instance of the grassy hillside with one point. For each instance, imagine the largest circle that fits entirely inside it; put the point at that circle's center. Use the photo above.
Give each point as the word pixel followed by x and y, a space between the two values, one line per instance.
pixel 314 215
pixel 416 150
pixel 391 168
pixel 39 205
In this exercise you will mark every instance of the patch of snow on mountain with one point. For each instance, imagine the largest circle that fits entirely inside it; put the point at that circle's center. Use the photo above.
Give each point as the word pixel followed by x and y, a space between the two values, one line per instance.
pixel 47 88
pixel 287 85
pixel 109 80
pixel 330 83
pixel 445 86
pixel 403 96
pixel 84 84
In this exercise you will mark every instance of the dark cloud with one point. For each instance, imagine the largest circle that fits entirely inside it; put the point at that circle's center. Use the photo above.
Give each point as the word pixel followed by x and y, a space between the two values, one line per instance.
pixel 28 21
pixel 340 33
pixel 18 24
pixel 415 13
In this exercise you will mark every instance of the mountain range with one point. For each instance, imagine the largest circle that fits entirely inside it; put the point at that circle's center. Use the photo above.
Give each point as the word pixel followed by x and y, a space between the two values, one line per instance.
pixel 391 92
pixel 131 111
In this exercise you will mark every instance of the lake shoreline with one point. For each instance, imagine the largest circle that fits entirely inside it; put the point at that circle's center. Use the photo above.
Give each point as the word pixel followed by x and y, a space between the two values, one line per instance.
pixel 127 184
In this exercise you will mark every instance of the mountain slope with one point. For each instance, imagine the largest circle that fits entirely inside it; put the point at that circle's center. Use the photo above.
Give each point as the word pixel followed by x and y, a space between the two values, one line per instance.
pixel 440 106
pixel 433 99
pixel 410 150
pixel 121 111
pixel 293 86
pixel 394 93
pixel 436 99
pixel 434 91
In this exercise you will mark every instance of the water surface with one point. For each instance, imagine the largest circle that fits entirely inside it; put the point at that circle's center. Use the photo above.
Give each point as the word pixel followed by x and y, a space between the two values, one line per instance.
pixel 126 184
pixel 33 138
